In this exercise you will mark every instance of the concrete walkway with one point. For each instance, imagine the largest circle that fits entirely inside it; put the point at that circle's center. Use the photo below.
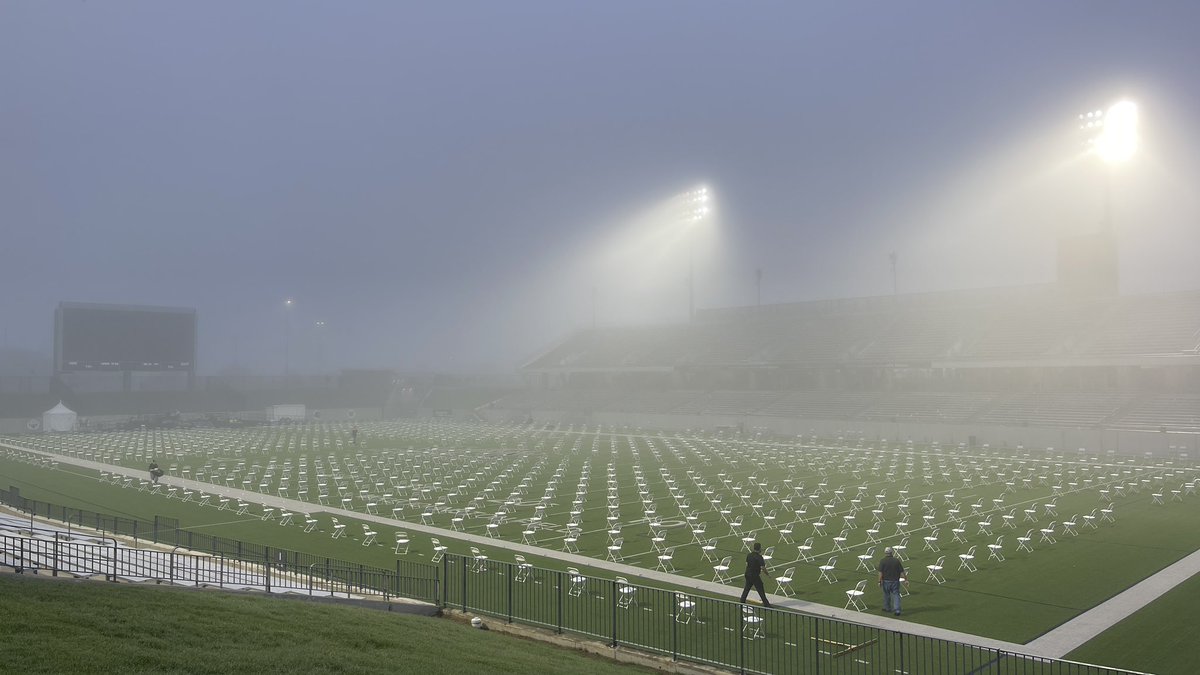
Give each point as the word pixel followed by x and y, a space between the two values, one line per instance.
pixel 1064 639
pixel 1054 644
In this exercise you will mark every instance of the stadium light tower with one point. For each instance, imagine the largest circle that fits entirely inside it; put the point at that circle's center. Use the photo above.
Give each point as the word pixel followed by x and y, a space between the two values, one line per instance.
pixel 693 207
pixel 1113 137
pixel 287 336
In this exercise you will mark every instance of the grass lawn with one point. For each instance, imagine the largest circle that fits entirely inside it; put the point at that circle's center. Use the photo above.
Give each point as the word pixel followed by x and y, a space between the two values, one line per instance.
pixel 1160 638
pixel 61 626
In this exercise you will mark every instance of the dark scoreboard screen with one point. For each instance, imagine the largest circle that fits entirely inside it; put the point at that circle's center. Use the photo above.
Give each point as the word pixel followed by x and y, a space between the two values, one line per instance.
pixel 110 337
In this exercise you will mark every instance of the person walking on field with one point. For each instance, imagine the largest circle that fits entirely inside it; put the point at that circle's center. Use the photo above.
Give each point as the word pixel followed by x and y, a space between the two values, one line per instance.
pixel 891 570
pixel 755 566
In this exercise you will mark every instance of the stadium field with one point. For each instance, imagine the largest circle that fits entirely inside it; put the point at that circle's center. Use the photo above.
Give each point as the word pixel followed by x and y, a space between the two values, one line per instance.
pixel 1092 524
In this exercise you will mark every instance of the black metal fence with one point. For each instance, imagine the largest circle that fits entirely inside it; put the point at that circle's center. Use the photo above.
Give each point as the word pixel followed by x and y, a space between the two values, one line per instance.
pixel 45 550
pixel 414 580
pixel 717 632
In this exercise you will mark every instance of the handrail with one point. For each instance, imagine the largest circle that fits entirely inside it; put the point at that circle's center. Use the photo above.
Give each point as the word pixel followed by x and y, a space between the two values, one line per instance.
pixel 166 531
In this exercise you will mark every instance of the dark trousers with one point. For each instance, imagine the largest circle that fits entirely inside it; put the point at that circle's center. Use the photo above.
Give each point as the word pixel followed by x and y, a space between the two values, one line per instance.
pixel 757 584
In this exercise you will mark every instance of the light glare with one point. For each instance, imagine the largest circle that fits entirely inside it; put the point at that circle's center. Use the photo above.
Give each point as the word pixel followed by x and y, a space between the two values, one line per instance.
pixel 1118 139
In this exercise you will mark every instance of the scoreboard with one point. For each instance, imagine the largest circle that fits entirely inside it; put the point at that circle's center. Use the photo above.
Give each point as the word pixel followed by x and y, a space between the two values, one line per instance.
pixel 94 337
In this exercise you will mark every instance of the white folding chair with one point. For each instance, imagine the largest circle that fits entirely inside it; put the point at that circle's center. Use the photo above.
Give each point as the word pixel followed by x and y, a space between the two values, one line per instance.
pixel 401 543
pixel 996 550
pixel 478 560
pixel 805 550
pixel 1023 543
pixel 1010 519
pixel 752 622
pixel 966 560
pixel 1069 526
pixel 626 593
pixel 866 560
pixel 839 542
pixel 571 541
pixel 614 549
pixel 721 570
pixel 1108 514
pixel 935 571
pixel 523 568
pixel 785 533
pixel 685 609
pixel 785 582
pixel 854 596
pixel 827 571
pixel 665 560
pixel 578 582
pixel 931 542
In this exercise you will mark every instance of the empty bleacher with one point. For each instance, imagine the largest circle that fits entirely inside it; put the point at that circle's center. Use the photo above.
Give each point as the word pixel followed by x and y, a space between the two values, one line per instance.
pixel 1167 324
pixel 1163 413
pixel 1020 324
pixel 1059 410
pixel 928 407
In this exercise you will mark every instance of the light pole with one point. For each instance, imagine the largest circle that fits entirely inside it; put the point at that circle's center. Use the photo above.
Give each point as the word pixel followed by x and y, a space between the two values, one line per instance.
pixel 693 207
pixel 322 344
pixel 287 337
pixel 895 288
pixel 1113 137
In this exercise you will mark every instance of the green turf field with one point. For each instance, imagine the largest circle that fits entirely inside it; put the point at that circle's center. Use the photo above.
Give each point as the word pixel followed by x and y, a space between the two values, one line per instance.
pixel 508 476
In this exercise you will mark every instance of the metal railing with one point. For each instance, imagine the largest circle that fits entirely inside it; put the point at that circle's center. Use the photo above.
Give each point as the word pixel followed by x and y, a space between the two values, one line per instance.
pixel 723 633
pixel 60 556
pixel 415 580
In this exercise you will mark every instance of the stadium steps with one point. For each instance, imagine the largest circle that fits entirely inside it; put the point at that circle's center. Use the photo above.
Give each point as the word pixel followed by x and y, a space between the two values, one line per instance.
pixel 1119 413
pixel 987 408
pixel 868 405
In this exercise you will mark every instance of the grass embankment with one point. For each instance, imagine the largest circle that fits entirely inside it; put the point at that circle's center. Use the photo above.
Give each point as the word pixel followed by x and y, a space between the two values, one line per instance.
pixel 68 626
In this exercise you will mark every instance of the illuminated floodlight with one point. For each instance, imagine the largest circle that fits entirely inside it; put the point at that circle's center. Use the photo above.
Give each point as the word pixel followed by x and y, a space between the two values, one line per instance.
pixel 688 209
pixel 694 204
pixel 1115 131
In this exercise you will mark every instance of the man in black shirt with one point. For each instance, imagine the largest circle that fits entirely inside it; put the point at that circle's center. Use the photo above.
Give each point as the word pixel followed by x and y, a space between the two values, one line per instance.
pixel 890 572
pixel 755 566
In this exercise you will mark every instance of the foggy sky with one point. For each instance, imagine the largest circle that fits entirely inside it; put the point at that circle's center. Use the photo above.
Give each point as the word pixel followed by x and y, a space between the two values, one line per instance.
pixel 444 184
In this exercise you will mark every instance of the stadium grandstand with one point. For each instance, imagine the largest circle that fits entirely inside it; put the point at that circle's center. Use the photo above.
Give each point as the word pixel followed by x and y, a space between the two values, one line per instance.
pixel 1040 364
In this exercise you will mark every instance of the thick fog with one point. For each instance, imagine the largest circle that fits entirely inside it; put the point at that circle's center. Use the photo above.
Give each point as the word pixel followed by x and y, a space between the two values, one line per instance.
pixel 457 186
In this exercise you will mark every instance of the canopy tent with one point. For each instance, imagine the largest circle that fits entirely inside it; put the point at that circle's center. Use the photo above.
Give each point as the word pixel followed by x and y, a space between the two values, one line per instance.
pixel 59 418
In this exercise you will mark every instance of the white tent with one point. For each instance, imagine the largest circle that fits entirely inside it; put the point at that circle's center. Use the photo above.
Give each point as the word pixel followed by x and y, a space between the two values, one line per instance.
pixel 59 418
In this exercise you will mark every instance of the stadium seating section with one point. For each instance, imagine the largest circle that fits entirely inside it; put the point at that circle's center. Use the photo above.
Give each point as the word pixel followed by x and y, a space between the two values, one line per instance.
pixel 1025 324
